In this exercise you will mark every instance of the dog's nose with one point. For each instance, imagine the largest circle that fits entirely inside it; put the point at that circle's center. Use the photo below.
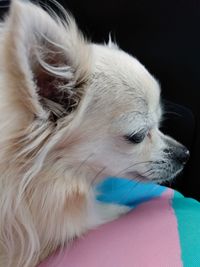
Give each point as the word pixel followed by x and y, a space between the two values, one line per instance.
pixel 183 155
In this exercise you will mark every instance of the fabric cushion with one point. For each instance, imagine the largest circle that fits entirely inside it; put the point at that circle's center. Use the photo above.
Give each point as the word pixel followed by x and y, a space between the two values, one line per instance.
pixel 163 229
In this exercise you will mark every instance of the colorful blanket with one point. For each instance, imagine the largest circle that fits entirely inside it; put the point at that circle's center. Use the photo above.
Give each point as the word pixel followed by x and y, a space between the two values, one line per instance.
pixel 162 230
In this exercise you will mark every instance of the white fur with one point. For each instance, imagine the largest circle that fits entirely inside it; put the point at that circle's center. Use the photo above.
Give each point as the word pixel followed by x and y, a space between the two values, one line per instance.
pixel 66 106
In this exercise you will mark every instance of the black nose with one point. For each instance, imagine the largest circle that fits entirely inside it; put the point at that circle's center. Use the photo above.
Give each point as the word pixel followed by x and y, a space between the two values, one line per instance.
pixel 182 155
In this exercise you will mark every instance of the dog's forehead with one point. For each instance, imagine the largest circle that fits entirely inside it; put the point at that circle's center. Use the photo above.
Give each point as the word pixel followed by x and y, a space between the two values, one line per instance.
pixel 120 76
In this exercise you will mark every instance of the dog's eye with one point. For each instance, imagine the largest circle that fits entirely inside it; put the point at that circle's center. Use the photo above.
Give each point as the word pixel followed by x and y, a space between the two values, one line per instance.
pixel 136 138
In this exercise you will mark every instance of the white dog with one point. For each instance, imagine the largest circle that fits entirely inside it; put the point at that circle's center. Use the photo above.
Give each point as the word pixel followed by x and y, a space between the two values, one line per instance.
pixel 71 113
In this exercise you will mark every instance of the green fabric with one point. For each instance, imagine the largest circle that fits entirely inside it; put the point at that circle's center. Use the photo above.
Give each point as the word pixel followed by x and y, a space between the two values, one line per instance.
pixel 188 218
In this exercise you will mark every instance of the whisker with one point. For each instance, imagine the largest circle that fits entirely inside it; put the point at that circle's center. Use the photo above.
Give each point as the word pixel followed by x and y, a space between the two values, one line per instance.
pixel 127 192
pixel 133 165
pixel 137 182
pixel 82 163
pixel 148 172
pixel 132 186
pixel 173 113
pixel 96 176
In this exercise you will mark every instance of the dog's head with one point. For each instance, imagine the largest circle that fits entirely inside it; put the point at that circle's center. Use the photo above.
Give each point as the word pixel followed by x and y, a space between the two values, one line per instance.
pixel 71 104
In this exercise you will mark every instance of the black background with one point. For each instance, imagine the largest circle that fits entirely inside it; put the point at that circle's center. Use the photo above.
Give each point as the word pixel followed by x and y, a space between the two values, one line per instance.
pixel 165 37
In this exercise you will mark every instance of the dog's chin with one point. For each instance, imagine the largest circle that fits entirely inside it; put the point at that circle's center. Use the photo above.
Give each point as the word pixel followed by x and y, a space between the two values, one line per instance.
pixel 136 176
pixel 158 180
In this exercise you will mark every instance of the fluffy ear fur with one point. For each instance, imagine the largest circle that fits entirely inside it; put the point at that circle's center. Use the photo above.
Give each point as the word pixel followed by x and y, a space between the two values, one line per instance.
pixel 44 66
pixel 46 61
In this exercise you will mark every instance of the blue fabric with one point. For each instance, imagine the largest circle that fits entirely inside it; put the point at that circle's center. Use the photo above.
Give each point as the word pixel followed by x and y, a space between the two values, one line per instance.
pixel 187 211
pixel 127 192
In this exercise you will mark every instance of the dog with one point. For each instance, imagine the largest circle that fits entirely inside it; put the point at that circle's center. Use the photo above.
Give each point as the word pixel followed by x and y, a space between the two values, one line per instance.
pixel 72 113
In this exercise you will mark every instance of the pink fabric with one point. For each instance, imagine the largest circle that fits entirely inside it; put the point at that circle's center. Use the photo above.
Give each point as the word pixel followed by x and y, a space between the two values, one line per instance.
pixel 145 237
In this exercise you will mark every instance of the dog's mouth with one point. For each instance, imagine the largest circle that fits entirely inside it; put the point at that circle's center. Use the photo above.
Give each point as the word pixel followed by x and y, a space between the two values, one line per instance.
pixel 159 180
pixel 138 176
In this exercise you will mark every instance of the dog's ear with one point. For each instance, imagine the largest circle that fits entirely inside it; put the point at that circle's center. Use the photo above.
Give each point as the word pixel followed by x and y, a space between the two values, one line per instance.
pixel 46 61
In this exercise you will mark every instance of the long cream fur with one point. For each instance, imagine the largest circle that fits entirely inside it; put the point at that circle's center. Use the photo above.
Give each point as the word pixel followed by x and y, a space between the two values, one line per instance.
pixel 24 145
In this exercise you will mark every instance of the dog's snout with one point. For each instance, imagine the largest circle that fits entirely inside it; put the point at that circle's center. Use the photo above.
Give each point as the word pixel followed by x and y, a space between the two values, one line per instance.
pixel 182 155
pixel 176 151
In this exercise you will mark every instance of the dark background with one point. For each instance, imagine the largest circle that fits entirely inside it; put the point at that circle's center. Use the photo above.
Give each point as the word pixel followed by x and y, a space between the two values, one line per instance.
pixel 165 37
